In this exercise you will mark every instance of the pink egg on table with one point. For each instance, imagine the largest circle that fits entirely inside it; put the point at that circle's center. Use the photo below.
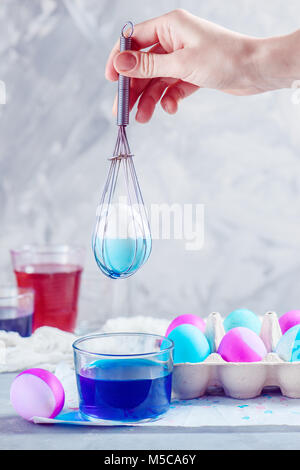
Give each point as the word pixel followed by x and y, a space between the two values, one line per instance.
pixel 186 319
pixel 242 345
pixel 289 319
pixel 37 392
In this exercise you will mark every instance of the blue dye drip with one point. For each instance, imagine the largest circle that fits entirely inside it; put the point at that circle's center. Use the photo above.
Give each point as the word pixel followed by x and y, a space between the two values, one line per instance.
pixel 124 390
pixel 118 257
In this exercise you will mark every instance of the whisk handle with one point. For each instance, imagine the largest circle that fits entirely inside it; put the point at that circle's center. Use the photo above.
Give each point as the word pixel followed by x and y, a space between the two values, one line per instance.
pixel 124 82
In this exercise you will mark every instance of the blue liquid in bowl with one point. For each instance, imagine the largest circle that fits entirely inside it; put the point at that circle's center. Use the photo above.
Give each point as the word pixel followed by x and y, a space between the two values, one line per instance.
pixel 124 390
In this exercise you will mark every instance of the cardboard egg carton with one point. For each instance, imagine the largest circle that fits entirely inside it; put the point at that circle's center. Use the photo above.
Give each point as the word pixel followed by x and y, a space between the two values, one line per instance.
pixel 239 380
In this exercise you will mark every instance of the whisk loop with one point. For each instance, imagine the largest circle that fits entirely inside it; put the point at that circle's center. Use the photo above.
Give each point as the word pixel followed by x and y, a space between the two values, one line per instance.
pixel 131 25
pixel 122 238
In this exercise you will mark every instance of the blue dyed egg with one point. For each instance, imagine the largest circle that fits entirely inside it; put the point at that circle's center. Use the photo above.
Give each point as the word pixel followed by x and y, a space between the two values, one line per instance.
pixel 242 317
pixel 288 347
pixel 191 344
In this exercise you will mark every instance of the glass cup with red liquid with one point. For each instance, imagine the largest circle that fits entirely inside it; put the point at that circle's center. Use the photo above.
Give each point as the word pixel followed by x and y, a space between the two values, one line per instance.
pixel 54 273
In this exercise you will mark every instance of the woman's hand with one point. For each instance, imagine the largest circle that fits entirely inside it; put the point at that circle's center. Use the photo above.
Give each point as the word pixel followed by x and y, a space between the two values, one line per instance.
pixel 187 53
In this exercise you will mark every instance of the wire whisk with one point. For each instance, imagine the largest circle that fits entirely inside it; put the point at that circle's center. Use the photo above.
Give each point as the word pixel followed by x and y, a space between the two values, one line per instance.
pixel 122 239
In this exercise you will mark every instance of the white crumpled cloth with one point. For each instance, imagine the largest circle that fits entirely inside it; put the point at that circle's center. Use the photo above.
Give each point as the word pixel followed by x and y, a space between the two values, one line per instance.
pixel 48 347
pixel 45 348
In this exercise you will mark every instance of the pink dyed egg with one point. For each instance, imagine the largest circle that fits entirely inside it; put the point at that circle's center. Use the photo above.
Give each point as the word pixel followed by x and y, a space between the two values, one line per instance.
pixel 37 392
pixel 186 319
pixel 289 319
pixel 242 345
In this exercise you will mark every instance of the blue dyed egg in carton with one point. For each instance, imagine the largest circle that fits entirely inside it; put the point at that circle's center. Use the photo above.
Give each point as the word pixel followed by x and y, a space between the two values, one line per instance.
pixel 241 380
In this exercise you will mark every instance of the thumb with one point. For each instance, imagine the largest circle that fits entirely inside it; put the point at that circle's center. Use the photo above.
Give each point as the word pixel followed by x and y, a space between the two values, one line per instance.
pixel 149 65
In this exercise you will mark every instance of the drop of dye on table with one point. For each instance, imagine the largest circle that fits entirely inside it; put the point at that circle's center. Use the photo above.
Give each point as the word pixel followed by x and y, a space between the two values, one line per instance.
pixel 124 390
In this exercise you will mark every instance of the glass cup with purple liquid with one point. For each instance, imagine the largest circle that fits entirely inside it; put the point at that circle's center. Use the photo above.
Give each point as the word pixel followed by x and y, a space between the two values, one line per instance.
pixel 123 377
pixel 16 309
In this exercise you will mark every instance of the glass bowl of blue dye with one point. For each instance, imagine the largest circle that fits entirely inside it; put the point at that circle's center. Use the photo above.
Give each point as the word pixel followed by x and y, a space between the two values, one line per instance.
pixel 123 376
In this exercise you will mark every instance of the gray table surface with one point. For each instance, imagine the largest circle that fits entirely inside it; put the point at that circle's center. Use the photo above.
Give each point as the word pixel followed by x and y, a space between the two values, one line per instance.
pixel 16 433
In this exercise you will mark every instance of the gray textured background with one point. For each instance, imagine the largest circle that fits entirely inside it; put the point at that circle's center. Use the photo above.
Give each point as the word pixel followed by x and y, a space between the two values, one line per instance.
pixel 237 155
